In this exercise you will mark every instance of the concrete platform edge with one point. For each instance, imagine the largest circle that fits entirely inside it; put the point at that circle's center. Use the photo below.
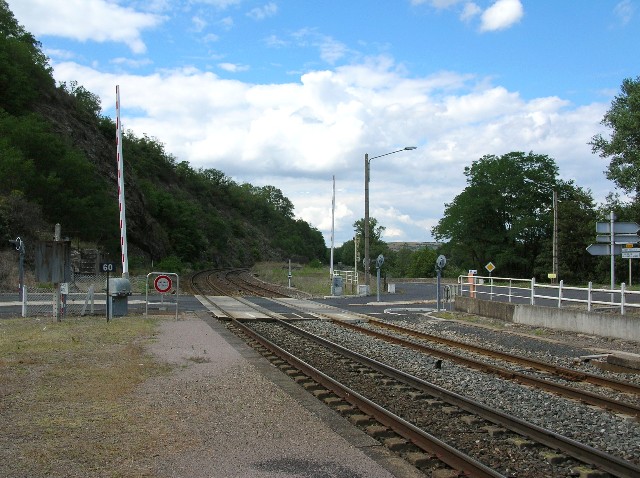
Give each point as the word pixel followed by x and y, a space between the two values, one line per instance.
pixel 368 445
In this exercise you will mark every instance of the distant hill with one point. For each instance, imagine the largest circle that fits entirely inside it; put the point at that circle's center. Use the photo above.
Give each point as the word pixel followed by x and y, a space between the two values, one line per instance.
pixel 413 246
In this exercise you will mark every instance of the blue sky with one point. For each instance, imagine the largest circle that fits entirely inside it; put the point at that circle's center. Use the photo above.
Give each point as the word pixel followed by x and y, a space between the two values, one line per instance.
pixel 291 93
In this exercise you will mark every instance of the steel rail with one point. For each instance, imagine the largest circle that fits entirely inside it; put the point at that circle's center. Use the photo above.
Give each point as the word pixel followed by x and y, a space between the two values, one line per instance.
pixel 232 283
pixel 563 372
pixel 609 463
pixel 564 390
pixel 253 286
pixel 445 453
pixel 587 454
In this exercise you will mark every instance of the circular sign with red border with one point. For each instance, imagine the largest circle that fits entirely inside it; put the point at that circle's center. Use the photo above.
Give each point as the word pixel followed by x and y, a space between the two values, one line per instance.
pixel 162 284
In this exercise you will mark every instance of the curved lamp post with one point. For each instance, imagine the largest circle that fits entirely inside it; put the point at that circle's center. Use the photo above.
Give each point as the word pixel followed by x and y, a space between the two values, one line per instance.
pixel 367 163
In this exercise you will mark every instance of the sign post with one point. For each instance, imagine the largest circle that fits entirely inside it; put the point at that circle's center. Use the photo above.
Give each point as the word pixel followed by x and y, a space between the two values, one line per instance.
pixel 612 236
pixel 490 268
pixel 379 262
pixel 163 283
pixel 440 263
pixel 108 267
pixel 630 252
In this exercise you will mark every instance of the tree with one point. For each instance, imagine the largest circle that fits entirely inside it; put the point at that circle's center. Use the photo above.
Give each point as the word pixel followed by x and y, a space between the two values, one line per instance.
pixel 24 69
pixel 274 198
pixel 576 221
pixel 376 245
pixel 423 263
pixel 504 213
pixel 86 101
pixel 623 147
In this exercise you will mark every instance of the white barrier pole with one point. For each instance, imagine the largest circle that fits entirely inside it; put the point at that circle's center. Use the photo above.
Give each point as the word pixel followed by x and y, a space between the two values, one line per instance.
pixel 121 202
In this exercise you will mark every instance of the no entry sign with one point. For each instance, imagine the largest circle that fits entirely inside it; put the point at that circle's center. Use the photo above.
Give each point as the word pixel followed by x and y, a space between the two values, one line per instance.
pixel 162 284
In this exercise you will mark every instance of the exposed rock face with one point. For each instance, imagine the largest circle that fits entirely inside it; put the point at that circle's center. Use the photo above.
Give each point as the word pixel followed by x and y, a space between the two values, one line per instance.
pixel 143 231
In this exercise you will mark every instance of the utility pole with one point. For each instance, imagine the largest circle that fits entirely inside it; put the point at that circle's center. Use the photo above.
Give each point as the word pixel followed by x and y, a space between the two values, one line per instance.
pixel 555 235
pixel 367 165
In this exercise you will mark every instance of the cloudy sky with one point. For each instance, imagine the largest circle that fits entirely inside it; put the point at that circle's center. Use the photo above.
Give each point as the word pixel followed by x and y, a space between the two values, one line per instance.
pixel 291 93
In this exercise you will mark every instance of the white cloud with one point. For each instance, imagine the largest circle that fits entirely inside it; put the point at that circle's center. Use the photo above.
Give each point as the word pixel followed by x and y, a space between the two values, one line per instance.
pixel 331 50
pixel 436 3
pixel 275 42
pixel 227 23
pixel 470 11
pixel 86 20
pixel 624 10
pixel 297 135
pixel 128 62
pixel 233 67
pixel 59 54
pixel 265 11
pixel 501 15
pixel 220 4
pixel 210 38
pixel 199 23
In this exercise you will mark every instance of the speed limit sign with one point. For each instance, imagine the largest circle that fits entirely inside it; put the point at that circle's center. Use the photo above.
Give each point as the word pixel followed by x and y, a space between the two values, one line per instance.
pixel 107 266
pixel 162 284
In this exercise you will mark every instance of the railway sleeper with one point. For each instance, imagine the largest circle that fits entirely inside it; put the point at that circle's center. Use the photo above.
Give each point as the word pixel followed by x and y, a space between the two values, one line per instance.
pixel 400 445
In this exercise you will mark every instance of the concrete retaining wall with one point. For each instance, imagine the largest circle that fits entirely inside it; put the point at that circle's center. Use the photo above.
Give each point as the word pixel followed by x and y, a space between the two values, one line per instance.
pixel 591 323
pixel 487 308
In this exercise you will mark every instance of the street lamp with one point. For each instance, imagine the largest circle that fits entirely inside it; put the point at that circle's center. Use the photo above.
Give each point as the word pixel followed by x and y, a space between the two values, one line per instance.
pixel 367 163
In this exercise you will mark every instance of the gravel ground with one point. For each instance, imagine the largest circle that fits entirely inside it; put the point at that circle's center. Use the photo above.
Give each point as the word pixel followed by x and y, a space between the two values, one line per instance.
pixel 245 418
pixel 611 433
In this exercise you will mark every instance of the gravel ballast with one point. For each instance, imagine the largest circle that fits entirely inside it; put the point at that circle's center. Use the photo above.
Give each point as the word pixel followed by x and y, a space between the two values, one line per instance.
pixel 615 434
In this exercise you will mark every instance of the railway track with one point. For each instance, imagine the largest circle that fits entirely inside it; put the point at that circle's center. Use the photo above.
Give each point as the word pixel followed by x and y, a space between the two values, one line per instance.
pixel 398 408
pixel 233 283
pixel 527 371
pixel 506 445
pixel 563 372
pixel 528 378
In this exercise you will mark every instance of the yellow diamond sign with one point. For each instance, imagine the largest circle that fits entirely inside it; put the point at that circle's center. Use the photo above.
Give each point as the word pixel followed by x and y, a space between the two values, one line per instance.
pixel 490 267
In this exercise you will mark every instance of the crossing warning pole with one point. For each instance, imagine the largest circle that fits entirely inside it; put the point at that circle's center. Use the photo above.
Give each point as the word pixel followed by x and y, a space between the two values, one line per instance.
pixel 121 203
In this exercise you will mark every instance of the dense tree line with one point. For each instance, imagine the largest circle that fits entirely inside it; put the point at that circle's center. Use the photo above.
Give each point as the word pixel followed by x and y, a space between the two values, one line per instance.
pixel 505 216
pixel 195 216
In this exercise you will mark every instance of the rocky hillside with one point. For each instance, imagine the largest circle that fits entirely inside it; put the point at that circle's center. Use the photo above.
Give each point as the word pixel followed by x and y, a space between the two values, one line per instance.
pixel 58 165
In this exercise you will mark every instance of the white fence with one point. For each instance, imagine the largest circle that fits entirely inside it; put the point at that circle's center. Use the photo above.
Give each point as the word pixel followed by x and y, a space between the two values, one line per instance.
pixel 527 291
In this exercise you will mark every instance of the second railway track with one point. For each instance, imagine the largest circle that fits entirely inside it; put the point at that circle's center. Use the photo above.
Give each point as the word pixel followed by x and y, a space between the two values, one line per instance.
pixel 492 429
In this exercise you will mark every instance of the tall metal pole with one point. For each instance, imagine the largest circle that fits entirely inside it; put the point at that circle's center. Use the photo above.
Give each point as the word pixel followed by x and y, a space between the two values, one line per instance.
pixel 612 250
pixel 333 215
pixel 355 263
pixel 21 250
pixel 366 220
pixel 555 234
pixel 57 312
pixel 367 165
